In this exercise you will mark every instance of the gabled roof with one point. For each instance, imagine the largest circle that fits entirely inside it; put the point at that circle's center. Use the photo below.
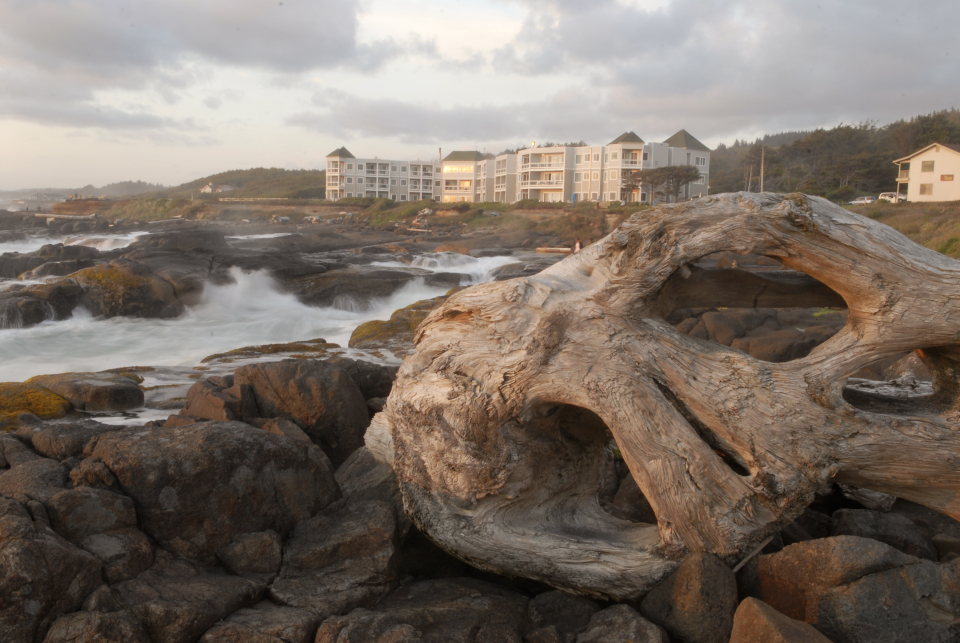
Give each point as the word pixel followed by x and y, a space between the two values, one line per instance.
pixel 343 153
pixel 626 137
pixel 685 139
pixel 464 156
pixel 953 148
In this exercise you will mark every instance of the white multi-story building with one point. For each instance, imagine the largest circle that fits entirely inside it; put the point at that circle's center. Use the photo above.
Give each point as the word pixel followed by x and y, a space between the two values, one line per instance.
pixel 601 173
pixel 348 176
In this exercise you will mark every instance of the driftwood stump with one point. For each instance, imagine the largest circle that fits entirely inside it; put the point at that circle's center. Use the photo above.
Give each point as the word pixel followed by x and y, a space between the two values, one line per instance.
pixel 502 419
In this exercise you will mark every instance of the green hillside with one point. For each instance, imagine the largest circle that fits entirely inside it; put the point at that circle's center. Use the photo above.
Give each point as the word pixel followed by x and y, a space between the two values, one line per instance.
pixel 255 182
pixel 838 163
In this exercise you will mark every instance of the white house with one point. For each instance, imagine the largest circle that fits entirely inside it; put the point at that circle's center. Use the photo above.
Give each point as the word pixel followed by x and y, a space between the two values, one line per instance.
pixel 211 187
pixel 930 174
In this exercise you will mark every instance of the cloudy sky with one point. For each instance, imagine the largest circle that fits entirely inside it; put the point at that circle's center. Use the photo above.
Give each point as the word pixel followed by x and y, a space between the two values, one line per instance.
pixel 97 91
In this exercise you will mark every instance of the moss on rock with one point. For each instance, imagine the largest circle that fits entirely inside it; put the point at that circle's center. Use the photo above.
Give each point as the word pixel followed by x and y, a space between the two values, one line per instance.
pixel 17 398
pixel 395 334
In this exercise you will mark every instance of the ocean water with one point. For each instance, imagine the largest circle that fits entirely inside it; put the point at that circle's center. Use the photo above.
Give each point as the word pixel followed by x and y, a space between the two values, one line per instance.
pixel 252 310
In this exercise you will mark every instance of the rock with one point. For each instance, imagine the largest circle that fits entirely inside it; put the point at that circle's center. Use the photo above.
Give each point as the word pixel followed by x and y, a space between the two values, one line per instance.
pixel 96 392
pixel 198 487
pixel 13 264
pixel 78 513
pixel 697 602
pixel 219 399
pixel 16 398
pixel 95 627
pixel 793 581
pixel 629 503
pixel 14 451
pixel 265 623
pixel 362 478
pixel 895 530
pixel 255 555
pixel 339 560
pixel 38 480
pixel 621 624
pixel 448 610
pixel 126 288
pixel 41 575
pixel 124 553
pixel 929 521
pixel 346 288
pixel 757 622
pixel 557 617
pixel 91 472
pixel 320 398
pixel 919 602
pixel 286 428
pixel 395 334
pixel 816 524
pixel 945 544
pixel 177 602
pixel 876 500
pixel 62 441
pixel 23 310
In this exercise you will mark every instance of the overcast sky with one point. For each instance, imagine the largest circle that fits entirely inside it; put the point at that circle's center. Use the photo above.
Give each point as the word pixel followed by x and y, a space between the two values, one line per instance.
pixel 97 91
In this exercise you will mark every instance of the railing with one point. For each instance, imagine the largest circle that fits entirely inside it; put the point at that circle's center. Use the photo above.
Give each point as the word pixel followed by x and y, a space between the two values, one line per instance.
pixel 540 165
pixel 904 175
pixel 631 161
pixel 449 189
pixel 538 184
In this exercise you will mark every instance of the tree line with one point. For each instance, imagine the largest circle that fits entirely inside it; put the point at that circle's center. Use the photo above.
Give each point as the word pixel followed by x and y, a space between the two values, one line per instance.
pixel 836 163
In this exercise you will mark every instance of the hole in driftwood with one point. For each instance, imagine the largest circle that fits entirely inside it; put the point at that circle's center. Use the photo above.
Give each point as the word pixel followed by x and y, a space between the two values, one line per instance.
pixel 898 384
pixel 752 304
pixel 727 455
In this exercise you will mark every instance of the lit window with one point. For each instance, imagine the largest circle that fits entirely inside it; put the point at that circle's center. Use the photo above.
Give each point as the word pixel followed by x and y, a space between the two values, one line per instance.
pixel 926 166
pixel 946 177
pixel 613 176
pixel 926 188
pixel 614 156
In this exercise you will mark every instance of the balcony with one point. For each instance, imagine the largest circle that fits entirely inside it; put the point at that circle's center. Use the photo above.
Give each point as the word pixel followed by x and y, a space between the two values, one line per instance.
pixel 537 166
pixel 446 189
pixel 540 184
pixel 904 176
pixel 631 162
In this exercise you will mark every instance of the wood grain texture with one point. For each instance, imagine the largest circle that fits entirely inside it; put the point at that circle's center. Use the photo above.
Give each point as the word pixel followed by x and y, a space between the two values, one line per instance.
pixel 501 420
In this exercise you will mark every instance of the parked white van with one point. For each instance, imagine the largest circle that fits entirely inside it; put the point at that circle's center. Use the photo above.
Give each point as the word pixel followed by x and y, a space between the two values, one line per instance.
pixel 891 197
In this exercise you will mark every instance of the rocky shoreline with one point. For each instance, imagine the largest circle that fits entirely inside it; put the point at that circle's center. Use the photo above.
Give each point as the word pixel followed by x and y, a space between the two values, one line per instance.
pixel 260 507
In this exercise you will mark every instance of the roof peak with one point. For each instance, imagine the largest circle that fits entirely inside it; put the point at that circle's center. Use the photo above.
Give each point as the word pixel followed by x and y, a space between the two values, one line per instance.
pixel 626 137
pixel 342 152
pixel 685 139
pixel 471 155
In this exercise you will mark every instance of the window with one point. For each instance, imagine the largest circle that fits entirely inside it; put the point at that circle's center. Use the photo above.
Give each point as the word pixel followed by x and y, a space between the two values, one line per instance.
pixel 403 197
pixel 614 156
pixel 613 196
pixel 393 168
pixel 349 166
pixel 926 166
pixel 604 176
pixel 596 177
pixel 359 166
pixel 643 195
pixel 349 193
pixel 613 176
pixel 596 157
pixel 360 180
pixel 437 183
pixel 393 181
pixel 701 180
pixel 403 168
pixel 645 156
pixel 593 197
pixel 926 188
pixel 946 177
pixel 688 158
pixel 403 181
pixel 576 177
pixel 350 179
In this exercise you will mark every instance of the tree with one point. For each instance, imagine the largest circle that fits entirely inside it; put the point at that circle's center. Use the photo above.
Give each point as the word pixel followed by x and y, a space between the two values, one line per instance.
pixel 669 180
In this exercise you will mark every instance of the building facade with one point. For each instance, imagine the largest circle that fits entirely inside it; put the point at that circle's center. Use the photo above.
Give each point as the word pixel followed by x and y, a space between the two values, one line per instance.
pixel 930 174
pixel 595 173
pixel 348 176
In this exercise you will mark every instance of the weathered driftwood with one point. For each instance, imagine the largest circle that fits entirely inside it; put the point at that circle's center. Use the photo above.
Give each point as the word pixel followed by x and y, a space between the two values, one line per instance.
pixel 501 421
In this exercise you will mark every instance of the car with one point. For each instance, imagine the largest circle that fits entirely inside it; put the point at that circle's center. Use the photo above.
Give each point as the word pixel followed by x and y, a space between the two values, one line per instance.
pixel 864 200
pixel 892 197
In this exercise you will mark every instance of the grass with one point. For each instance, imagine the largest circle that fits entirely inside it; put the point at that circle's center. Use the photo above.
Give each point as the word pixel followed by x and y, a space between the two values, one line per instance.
pixel 932 225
